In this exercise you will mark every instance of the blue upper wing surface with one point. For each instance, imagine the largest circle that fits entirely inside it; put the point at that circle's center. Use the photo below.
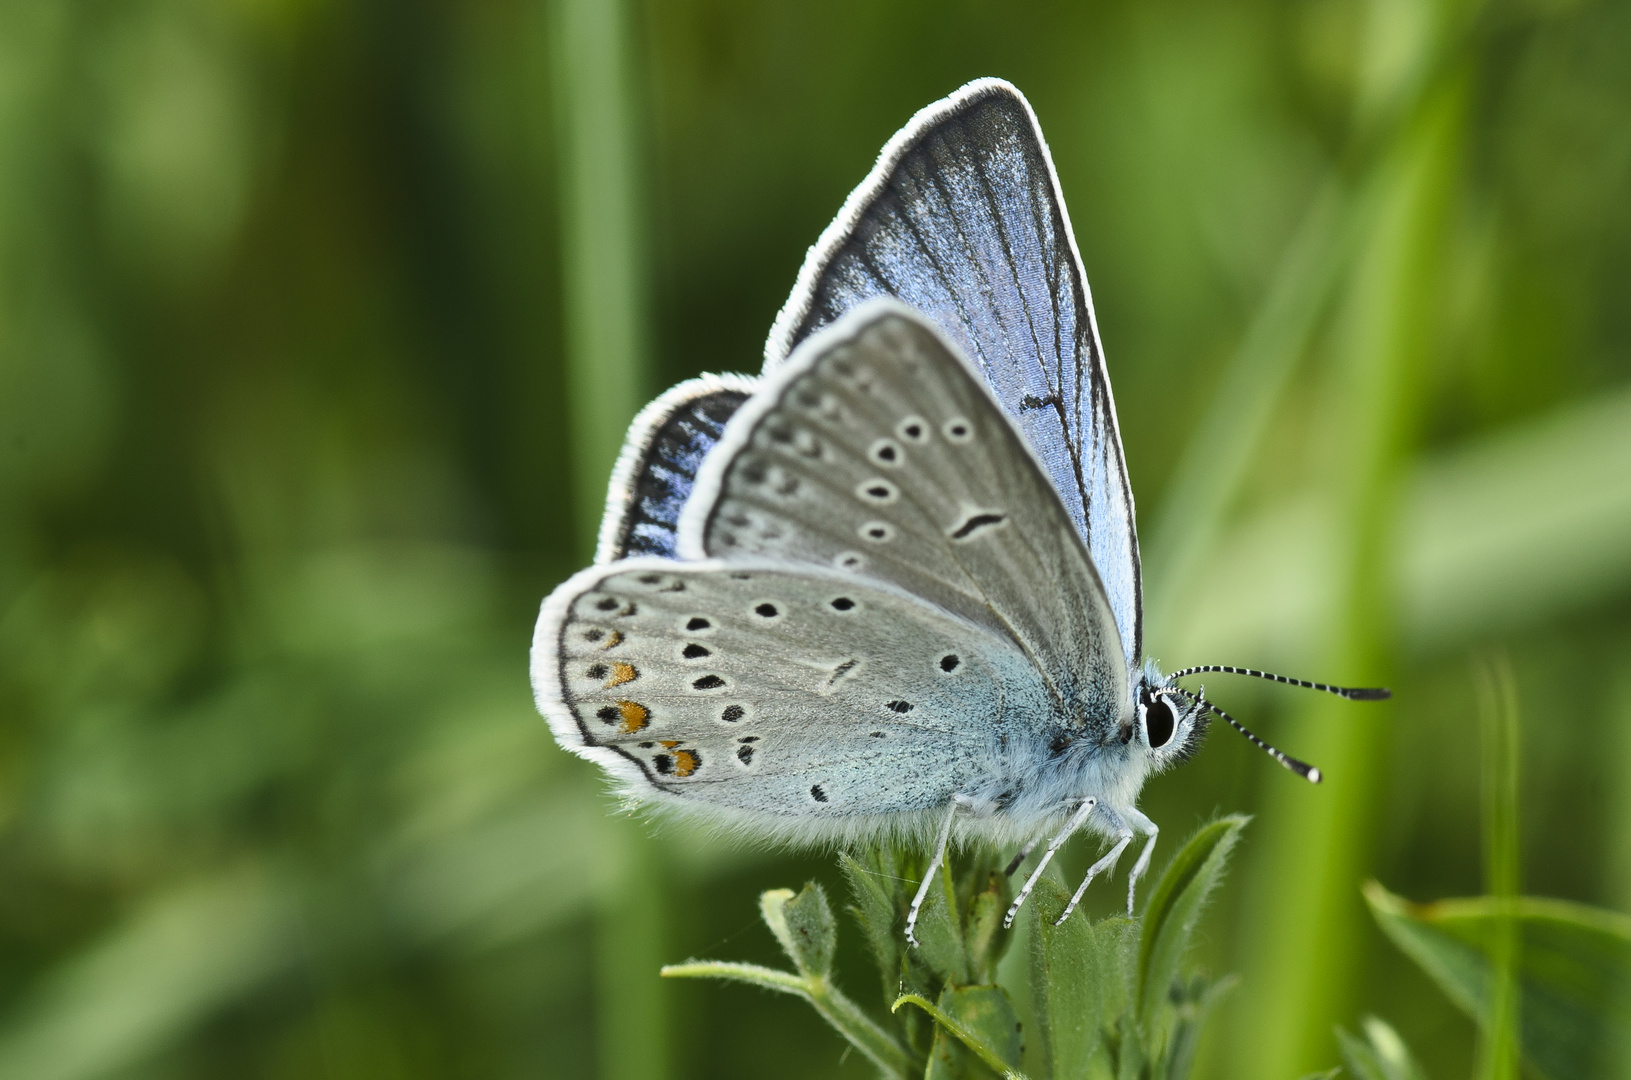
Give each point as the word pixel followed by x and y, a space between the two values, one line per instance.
pixel 962 219
pixel 658 466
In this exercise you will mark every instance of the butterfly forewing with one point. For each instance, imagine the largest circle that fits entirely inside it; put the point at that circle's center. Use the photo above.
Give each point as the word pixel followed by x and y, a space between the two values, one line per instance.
pixel 661 454
pixel 963 220
pixel 877 450
pixel 764 688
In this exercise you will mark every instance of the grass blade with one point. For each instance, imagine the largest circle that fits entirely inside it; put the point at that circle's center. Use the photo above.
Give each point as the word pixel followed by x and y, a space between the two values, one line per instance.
pixel 1216 459
pixel 1381 1055
pixel 1573 968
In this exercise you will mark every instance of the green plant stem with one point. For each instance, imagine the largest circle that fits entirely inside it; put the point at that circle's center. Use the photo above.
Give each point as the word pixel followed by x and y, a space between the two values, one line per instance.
pixel 962 1034
pixel 843 1014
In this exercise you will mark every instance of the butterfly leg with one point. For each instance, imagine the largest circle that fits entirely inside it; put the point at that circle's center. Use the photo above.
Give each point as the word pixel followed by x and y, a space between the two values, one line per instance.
pixel 1150 829
pixel 1124 836
pixel 1024 853
pixel 1071 826
pixel 928 875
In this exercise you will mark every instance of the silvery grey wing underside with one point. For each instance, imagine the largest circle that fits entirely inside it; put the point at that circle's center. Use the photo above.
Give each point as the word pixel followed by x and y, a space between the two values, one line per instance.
pixel 963 220
pixel 803 693
pixel 658 465
pixel 878 450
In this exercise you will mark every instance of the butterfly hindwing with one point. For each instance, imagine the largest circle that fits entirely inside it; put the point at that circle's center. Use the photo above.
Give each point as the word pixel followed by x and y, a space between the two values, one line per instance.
pixel 963 220
pixel 661 454
pixel 776 690
pixel 877 450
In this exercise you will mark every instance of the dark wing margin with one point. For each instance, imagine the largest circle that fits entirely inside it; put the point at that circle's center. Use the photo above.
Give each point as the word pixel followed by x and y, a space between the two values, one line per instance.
pixel 658 464
pixel 962 219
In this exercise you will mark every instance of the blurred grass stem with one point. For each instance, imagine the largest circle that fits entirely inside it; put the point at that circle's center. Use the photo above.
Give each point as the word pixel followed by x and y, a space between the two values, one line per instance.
pixel 602 255
pixel 606 347
pixel 1217 458
pixel 1498 731
pixel 1304 959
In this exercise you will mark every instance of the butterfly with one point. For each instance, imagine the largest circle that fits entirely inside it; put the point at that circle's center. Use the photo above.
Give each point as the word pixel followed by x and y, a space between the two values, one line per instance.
pixel 891 586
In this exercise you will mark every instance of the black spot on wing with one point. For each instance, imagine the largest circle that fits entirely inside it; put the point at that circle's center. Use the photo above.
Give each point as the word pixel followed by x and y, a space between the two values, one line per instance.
pixel 841 670
pixel 976 523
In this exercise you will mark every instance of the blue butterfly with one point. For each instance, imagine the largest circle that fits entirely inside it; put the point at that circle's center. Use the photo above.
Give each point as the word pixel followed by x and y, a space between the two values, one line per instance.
pixel 891 586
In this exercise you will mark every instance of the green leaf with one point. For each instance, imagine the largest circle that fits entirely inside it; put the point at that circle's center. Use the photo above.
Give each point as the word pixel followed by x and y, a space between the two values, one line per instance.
pixel 1079 976
pixel 874 886
pixel 1573 968
pixel 940 939
pixel 804 925
pixel 1192 1005
pixel 982 1007
pixel 1381 1055
pixel 984 940
pixel 1175 905
pixel 985 1014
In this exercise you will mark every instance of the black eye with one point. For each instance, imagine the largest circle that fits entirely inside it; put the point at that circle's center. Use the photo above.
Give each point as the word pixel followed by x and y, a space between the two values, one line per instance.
pixel 1159 722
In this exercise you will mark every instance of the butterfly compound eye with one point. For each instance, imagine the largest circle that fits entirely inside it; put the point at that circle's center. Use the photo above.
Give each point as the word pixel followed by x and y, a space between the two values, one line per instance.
pixel 1159 722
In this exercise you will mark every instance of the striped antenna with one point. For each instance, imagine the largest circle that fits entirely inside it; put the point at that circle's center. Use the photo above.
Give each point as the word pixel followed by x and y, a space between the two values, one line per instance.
pixel 1352 693
pixel 1301 768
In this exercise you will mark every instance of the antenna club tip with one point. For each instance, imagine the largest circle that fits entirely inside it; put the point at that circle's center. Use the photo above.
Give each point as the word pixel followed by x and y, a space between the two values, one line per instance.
pixel 1314 775
pixel 1370 693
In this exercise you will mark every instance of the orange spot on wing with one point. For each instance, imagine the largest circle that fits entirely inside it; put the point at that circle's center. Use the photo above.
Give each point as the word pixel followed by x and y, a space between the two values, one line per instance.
pixel 614 638
pixel 670 745
pixel 685 762
pixel 635 716
pixel 621 673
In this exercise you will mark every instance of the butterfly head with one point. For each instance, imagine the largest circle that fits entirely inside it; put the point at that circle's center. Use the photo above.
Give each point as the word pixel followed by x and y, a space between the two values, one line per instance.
pixel 1168 724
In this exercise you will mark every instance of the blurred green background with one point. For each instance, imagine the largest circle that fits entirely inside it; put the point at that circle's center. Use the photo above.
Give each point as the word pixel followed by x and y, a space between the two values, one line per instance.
pixel 320 321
